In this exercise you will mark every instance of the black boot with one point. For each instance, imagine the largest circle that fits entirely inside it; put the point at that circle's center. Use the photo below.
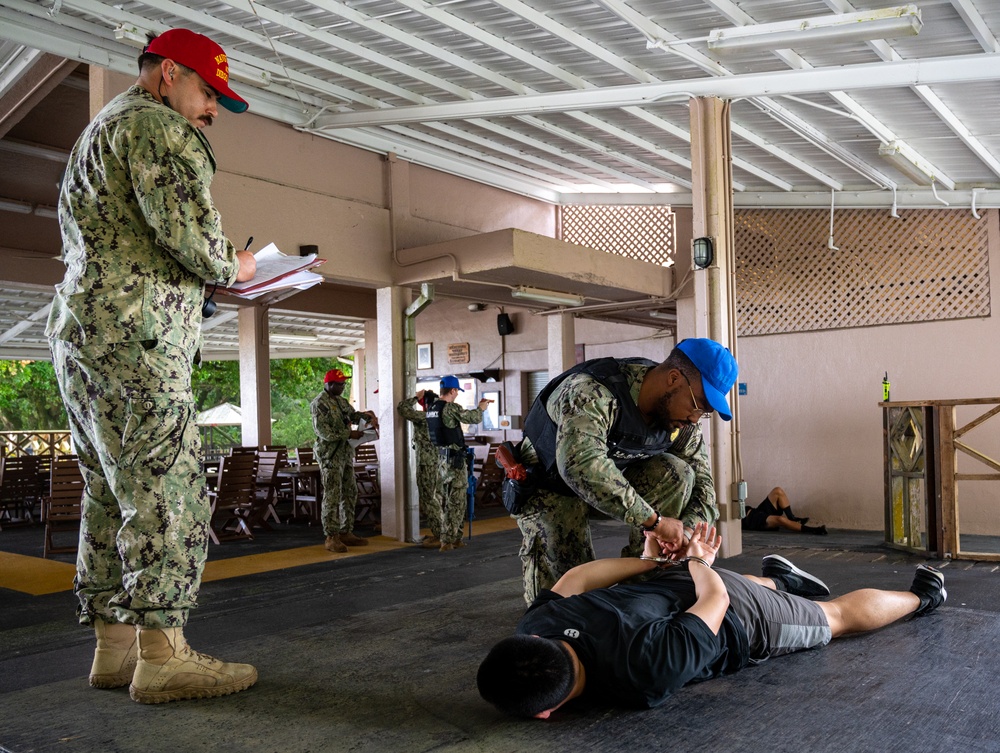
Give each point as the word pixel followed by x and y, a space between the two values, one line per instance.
pixel 814 530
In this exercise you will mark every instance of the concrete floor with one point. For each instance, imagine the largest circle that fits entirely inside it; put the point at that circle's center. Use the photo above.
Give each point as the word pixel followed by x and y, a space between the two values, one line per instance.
pixel 379 653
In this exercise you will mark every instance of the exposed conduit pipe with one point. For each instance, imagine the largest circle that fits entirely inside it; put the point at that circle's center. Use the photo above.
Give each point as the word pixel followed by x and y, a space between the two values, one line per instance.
pixel 829 241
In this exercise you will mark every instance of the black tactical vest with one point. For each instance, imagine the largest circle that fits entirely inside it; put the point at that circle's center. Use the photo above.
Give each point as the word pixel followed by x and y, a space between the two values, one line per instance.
pixel 630 440
pixel 442 435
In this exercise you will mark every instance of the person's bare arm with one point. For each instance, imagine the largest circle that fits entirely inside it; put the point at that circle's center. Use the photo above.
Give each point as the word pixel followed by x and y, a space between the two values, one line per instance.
pixel 713 598
pixel 600 574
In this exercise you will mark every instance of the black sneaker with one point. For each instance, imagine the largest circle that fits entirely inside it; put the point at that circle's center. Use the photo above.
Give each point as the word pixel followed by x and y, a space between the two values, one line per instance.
pixel 928 585
pixel 790 579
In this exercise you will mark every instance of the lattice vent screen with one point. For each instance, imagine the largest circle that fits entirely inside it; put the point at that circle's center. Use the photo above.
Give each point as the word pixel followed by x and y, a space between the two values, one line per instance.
pixel 927 265
pixel 645 233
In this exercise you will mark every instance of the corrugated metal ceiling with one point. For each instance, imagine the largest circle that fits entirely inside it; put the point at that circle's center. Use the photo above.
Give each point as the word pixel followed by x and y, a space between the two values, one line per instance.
pixel 315 62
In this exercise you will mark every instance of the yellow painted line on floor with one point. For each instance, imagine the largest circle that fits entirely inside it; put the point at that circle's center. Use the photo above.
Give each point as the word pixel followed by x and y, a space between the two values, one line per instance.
pixel 35 575
pixel 38 576
pixel 233 567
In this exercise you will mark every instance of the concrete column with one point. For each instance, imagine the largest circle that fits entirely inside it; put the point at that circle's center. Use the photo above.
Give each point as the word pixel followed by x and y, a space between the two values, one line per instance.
pixel 255 376
pixel 714 313
pixel 400 513
pixel 562 342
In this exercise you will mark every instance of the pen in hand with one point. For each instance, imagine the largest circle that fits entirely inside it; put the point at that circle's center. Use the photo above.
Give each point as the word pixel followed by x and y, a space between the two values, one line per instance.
pixel 249 241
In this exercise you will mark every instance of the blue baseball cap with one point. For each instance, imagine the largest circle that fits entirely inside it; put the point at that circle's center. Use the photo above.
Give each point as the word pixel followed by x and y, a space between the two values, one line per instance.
pixel 450 383
pixel 718 371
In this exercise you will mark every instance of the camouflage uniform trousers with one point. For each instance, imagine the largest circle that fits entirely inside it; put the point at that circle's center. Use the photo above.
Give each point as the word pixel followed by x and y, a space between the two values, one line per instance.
pixel 454 499
pixel 145 514
pixel 429 487
pixel 556 528
pixel 340 490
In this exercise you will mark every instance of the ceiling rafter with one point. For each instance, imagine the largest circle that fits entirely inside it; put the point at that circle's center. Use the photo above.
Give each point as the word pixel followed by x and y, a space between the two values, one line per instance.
pixel 515 52
pixel 655 34
pixel 793 60
pixel 885 51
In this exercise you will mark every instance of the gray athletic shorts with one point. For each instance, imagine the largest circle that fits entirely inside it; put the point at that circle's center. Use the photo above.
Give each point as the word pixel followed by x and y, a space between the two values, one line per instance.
pixel 776 623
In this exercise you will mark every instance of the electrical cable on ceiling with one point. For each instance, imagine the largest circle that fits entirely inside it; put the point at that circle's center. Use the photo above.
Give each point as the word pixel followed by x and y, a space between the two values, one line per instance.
pixel 281 62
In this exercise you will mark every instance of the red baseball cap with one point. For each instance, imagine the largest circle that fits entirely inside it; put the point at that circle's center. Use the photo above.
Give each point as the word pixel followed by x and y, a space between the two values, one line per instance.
pixel 334 375
pixel 204 57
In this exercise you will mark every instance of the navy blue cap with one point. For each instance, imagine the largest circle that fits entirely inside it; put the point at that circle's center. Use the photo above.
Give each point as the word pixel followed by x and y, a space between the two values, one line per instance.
pixel 450 383
pixel 718 371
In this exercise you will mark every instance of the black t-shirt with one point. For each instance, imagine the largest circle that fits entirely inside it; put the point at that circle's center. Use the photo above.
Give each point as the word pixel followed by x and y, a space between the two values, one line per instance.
pixel 636 641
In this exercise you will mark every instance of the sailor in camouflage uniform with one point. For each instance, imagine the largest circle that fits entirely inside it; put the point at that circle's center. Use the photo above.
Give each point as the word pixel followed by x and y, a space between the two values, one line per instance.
pixel 428 477
pixel 332 419
pixel 444 423
pixel 622 436
pixel 141 237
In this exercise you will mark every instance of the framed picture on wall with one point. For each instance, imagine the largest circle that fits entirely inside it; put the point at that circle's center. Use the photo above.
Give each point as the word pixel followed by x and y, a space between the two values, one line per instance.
pixel 425 359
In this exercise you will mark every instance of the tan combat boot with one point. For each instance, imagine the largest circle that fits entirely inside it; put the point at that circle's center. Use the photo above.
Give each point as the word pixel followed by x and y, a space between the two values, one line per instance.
pixel 334 544
pixel 115 657
pixel 168 670
pixel 351 540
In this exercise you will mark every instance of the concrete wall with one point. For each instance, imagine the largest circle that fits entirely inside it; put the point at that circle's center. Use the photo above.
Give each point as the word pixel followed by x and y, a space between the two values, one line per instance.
pixel 812 424
pixel 291 188
pixel 447 321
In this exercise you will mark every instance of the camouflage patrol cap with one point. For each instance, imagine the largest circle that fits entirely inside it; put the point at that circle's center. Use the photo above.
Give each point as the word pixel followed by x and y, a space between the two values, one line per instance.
pixel 204 57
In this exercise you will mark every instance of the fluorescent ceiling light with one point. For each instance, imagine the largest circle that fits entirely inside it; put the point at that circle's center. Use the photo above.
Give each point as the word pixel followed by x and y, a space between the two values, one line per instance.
pixel 902 20
pixel 908 164
pixel 546 296
pixel 18 207
pixel 132 35
pixel 663 315
pixel 294 337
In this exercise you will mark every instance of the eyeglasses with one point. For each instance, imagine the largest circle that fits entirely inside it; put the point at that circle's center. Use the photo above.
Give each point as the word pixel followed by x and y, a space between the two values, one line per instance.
pixel 697 409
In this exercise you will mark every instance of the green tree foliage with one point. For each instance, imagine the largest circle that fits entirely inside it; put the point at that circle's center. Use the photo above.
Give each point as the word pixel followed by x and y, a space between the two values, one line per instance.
pixel 29 397
pixel 294 383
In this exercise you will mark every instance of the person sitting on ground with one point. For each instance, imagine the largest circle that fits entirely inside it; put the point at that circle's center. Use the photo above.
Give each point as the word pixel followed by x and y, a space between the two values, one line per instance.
pixel 774 513
pixel 635 643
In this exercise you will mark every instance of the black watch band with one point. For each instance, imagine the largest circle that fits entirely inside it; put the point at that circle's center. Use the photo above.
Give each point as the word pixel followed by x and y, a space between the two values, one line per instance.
pixel 649 529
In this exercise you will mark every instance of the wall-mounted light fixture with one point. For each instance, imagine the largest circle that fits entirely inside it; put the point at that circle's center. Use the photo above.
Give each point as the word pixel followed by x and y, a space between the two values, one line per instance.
pixel 886 23
pixel 546 296
pixel 703 252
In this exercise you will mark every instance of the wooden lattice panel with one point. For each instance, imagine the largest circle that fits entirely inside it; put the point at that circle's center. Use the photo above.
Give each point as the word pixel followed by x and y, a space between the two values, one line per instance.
pixel 928 264
pixel 645 233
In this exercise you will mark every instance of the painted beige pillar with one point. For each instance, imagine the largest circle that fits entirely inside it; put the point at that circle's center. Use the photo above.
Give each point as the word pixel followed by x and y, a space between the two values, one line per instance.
pixel 562 342
pixel 400 513
pixel 255 376
pixel 714 314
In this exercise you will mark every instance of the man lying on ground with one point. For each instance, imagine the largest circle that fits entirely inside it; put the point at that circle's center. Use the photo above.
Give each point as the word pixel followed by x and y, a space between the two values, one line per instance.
pixel 636 643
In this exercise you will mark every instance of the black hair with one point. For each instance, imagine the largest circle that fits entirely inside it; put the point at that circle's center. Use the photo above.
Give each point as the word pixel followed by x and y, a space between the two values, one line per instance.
pixel 148 59
pixel 678 360
pixel 524 675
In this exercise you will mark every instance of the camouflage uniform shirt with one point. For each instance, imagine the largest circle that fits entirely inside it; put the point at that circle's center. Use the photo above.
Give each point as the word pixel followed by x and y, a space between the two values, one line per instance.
pixel 584 412
pixel 140 232
pixel 332 419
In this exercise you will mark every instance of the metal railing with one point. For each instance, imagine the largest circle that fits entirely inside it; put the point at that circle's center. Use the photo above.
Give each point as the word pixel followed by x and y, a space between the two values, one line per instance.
pixel 50 442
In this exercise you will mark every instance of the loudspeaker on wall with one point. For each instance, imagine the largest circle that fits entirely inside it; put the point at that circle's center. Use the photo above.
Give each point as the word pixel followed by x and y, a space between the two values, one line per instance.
pixel 504 325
